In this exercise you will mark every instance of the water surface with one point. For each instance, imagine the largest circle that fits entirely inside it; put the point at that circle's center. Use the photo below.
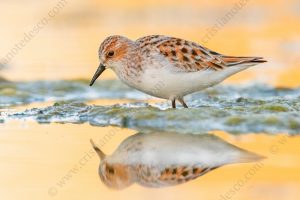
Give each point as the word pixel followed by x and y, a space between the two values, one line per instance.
pixel 236 109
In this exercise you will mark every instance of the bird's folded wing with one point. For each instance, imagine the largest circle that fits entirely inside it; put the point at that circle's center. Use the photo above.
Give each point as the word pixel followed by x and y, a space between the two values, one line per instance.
pixel 191 57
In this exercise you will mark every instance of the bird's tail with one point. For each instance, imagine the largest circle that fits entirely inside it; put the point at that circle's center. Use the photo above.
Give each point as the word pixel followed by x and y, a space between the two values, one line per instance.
pixel 247 156
pixel 245 61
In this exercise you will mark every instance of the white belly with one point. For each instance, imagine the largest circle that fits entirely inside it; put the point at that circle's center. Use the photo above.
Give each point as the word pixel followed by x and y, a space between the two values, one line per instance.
pixel 161 79
pixel 167 84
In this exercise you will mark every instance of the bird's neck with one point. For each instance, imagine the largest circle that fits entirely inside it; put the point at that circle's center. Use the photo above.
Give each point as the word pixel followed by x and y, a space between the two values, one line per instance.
pixel 131 69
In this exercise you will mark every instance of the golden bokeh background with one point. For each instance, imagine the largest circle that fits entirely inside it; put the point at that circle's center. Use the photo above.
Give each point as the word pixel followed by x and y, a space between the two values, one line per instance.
pixel 66 46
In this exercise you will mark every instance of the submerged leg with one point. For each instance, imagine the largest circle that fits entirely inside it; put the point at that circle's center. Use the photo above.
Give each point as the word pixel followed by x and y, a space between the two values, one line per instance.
pixel 182 102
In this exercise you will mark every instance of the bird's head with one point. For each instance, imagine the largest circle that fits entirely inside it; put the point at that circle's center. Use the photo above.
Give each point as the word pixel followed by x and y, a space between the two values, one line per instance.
pixel 113 53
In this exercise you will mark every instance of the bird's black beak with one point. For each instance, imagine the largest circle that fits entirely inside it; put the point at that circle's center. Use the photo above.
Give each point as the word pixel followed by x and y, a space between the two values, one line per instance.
pixel 99 71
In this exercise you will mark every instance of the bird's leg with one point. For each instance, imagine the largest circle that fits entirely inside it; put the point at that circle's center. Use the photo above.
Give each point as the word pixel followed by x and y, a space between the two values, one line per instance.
pixel 180 99
pixel 173 103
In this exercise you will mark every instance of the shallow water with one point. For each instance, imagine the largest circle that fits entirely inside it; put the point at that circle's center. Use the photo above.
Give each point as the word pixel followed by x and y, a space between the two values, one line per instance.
pixel 54 161
pixel 236 109
pixel 20 93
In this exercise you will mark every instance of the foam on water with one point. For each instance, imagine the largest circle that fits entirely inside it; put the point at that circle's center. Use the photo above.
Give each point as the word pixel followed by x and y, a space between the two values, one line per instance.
pixel 19 93
pixel 235 109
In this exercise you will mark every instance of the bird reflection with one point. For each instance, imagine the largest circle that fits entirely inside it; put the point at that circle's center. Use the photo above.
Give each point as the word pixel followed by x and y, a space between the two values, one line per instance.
pixel 166 159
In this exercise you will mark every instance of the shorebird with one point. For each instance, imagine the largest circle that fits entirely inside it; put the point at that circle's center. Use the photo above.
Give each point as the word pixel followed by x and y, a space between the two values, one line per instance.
pixel 161 159
pixel 167 67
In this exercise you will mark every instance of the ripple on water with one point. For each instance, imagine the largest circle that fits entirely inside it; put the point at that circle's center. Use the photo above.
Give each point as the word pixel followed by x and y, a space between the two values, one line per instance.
pixel 227 116
pixel 19 93
pixel 235 109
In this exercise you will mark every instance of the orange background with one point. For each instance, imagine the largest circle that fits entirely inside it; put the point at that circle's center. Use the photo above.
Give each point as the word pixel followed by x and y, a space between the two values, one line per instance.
pixel 66 48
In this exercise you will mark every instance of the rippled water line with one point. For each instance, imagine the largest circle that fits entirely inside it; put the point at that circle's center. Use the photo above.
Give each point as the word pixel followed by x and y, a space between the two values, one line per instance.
pixel 235 109
pixel 19 93
pixel 234 118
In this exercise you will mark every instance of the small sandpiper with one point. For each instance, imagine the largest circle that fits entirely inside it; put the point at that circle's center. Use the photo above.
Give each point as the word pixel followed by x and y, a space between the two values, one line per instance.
pixel 167 67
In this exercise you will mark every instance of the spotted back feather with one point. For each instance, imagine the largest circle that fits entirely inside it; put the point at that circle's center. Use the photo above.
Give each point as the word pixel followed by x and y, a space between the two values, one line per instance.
pixel 189 56
pixel 172 175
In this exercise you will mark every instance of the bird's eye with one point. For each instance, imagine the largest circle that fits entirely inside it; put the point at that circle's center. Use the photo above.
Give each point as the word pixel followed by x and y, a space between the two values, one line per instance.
pixel 111 53
pixel 111 170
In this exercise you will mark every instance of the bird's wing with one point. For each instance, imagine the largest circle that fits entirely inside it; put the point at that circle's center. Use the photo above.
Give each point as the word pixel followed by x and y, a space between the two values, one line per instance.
pixel 189 56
